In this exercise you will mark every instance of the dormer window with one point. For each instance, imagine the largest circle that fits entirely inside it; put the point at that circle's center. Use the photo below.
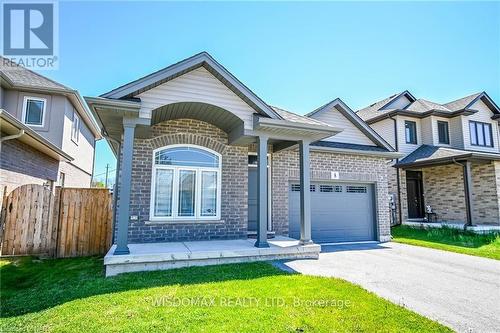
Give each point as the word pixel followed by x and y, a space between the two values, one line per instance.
pixel 34 111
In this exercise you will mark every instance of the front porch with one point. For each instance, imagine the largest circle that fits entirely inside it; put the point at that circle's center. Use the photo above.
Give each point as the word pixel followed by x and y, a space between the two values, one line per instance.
pixel 444 187
pixel 158 256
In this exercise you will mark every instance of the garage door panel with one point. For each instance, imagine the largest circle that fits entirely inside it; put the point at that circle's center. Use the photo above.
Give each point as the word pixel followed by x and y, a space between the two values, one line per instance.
pixel 346 214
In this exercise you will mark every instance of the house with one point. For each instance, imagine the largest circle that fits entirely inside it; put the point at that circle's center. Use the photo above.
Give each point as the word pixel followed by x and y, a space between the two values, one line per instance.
pixel 450 171
pixel 203 158
pixel 48 132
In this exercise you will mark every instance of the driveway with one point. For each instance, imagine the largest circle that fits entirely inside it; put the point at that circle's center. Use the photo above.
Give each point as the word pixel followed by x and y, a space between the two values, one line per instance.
pixel 459 291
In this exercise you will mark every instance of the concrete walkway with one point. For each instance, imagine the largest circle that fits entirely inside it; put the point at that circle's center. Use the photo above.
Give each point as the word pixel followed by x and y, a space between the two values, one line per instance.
pixel 459 291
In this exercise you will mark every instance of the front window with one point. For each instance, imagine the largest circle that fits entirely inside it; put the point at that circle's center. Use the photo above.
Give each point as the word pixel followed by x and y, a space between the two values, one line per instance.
pixel 443 132
pixel 33 111
pixel 186 183
pixel 480 134
pixel 411 132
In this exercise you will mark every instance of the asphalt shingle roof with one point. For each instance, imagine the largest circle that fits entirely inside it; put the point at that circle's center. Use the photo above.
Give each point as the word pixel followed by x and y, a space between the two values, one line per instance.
pixel 418 106
pixel 426 153
pixel 373 110
pixel 290 116
pixel 461 103
pixel 21 76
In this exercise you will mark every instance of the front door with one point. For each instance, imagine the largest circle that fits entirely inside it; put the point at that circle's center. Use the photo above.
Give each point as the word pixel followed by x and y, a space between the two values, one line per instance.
pixel 414 191
pixel 253 194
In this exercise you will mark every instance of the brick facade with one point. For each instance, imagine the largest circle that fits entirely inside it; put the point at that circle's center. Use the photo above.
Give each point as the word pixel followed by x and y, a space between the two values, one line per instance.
pixel 21 164
pixel 234 210
pixel 233 223
pixel 444 192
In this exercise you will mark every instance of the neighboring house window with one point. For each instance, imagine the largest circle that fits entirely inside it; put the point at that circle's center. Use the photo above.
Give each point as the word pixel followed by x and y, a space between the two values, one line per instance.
pixel 411 132
pixel 443 132
pixel 75 127
pixel 480 134
pixel 34 111
pixel 62 179
pixel 186 183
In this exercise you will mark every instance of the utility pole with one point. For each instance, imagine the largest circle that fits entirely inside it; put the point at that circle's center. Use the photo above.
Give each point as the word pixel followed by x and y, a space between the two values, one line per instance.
pixel 106 182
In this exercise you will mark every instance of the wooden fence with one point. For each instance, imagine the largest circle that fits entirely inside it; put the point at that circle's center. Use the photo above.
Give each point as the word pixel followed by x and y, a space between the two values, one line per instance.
pixel 68 223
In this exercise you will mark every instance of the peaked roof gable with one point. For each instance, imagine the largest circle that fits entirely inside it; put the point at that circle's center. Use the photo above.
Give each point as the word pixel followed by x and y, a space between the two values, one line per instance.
pixel 204 59
pixel 347 112
pixel 467 102
pixel 381 107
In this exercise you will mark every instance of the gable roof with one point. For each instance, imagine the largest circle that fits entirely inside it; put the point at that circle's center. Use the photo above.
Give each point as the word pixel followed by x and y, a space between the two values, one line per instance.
pixel 17 77
pixel 346 111
pixel 377 108
pixel 202 59
pixel 467 102
pixel 421 108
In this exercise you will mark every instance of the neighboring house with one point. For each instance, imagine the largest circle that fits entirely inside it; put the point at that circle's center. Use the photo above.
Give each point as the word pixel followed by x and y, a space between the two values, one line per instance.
pixel 190 140
pixel 48 132
pixel 451 162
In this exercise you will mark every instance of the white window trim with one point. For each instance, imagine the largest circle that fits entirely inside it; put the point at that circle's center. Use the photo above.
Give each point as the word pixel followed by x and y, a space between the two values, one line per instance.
pixel 75 116
pixel 25 104
pixel 175 188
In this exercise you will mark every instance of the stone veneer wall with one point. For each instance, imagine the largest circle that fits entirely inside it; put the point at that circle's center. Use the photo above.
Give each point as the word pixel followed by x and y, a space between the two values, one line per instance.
pixel 285 168
pixel 233 223
pixel 21 164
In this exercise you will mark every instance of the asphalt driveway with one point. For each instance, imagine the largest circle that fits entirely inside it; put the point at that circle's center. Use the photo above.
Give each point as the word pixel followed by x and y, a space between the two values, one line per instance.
pixel 459 291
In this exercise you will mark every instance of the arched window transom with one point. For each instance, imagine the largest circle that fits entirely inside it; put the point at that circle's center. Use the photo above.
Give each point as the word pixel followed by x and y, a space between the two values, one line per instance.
pixel 186 183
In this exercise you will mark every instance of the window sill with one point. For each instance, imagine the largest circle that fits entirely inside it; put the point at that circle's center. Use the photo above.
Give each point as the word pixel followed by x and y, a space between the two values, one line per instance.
pixel 201 221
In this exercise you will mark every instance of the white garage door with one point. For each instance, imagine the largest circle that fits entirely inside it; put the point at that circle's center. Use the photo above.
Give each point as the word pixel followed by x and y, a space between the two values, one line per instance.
pixel 340 212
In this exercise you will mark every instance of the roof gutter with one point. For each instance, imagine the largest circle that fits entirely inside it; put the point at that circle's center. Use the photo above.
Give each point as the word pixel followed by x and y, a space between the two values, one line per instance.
pixel 13 136
pixel 388 155
pixel 413 114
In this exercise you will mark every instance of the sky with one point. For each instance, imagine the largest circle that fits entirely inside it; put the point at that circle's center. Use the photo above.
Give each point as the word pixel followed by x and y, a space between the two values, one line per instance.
pixel 294 55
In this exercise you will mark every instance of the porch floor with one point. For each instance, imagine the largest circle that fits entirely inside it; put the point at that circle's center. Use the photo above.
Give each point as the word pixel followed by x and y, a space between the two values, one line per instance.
pixel 159 256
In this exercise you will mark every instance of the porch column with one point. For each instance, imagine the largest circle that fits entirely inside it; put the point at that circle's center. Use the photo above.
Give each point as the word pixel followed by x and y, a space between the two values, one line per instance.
pixel 305 193
pixel 125 184
pixel 468 191
pixel 262 192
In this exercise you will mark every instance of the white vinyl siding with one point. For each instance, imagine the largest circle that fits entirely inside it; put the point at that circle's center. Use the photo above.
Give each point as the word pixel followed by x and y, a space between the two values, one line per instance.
pixel 350 133
pixel 398 103
pixel 199 85
pixel 428 125
pixel 457 132
pixel 483 115
pixel 385 128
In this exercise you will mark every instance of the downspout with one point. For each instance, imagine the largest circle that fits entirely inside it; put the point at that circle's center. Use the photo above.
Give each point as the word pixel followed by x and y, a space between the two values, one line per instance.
pixel 467 192
pixel 115 190
pixel 13 136
pixel 398 180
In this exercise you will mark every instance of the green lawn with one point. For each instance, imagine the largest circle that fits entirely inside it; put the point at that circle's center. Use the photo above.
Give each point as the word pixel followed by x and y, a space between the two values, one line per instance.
pixel 71 295
pixel 454 240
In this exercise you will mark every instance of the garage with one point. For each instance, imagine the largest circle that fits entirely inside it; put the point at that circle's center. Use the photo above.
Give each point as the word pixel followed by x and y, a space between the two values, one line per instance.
pixel 340 212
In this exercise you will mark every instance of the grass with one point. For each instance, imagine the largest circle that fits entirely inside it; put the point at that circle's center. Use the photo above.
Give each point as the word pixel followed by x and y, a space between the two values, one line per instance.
pixel 448 239
pixel 71 295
